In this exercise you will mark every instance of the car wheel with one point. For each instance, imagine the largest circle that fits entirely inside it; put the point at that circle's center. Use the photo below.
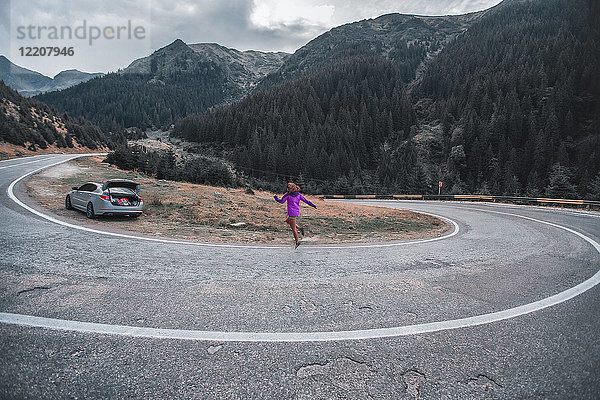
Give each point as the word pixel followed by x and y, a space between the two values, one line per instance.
pixel 89 211
pixel 68 204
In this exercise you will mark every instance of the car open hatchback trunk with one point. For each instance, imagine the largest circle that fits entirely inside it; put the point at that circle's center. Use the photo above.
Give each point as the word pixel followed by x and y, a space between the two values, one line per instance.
pixel 122 192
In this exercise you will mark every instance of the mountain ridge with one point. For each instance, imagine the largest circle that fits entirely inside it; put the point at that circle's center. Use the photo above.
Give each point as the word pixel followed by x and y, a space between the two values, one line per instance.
pixel 503 101
pixel 243 68
pixel 30 83
pixel 172 82
pixel 232 74
pixel 404 38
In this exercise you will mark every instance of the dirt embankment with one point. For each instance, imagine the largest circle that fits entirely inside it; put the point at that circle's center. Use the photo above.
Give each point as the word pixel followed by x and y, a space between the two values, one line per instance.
pixel 212 214
pixel 9 150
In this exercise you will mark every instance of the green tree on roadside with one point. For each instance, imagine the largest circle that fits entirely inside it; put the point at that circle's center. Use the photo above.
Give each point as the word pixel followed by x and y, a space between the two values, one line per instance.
pixel 594 188
pixel 560 184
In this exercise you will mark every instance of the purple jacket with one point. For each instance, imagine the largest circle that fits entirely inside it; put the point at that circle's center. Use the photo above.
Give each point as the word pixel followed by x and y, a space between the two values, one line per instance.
pixel 293 203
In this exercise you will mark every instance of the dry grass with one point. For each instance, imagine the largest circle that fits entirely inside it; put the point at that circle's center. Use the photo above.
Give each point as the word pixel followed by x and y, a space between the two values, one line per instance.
pixel 205 213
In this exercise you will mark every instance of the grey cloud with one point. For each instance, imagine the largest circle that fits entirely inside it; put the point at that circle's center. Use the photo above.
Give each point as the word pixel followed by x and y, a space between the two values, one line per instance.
pixel 4 24
pixel 212 21
pixel 70 12
pixel 227 23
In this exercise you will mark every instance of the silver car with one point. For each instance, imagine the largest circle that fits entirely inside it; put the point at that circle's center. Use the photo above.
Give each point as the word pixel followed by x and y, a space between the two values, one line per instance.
pixel 113 197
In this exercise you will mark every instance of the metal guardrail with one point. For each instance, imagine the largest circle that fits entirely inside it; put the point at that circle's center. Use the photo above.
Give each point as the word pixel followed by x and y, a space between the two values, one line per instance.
pixel 588 204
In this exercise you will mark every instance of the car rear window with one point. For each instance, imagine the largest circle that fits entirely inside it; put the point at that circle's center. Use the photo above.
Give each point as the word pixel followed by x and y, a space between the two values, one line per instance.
pixel 88 187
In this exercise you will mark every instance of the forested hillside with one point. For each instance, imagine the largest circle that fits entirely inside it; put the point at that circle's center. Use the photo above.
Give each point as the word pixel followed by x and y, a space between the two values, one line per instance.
pixel 135 100
pixel 518 97
pixel 511 106
pixel 328 126
pixel 28 122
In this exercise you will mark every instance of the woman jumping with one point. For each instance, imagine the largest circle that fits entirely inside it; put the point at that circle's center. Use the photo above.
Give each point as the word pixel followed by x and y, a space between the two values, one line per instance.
pixel 293 198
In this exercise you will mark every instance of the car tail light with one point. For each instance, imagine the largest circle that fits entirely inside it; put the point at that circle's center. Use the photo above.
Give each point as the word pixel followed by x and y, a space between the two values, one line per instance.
pixel 105 197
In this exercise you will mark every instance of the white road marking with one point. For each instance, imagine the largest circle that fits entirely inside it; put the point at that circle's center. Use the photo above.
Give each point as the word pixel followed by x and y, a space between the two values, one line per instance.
pixel 224 336
pixel 465 204
pixel 22 158
pixel 575 212
pixel 23 163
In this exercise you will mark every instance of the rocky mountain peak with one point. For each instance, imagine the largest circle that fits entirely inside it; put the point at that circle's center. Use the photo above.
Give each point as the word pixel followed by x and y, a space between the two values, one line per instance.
pixel 408 40
pixel 242 69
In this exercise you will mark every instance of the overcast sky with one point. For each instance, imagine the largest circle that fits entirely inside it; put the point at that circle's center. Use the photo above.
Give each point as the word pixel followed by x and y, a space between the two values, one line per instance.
pixel 106 36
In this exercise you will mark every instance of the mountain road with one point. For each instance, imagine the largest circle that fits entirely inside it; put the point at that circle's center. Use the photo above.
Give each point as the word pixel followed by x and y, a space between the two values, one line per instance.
pixel 505 305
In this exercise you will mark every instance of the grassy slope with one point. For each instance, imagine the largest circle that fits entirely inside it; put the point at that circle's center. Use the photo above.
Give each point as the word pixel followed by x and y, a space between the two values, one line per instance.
pixel 204 213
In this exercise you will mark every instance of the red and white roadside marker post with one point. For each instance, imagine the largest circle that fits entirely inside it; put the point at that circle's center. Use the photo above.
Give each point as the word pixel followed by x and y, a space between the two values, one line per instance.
pixel 440 188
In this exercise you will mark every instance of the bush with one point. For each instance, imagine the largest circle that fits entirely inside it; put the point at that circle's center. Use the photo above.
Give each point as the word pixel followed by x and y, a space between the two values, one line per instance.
pixel 164 165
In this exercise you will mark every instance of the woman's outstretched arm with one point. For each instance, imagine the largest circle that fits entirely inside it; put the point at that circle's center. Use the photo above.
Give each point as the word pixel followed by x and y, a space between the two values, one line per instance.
pixel 307 201
pixel 282 200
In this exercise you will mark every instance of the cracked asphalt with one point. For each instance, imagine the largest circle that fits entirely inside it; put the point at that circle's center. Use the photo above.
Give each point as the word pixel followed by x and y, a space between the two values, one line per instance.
pixel 495 262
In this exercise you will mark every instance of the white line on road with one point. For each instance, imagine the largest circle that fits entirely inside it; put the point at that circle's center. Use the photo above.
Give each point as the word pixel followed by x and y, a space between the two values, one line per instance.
pixel 225 336
pixel 23 163
pixel 22 158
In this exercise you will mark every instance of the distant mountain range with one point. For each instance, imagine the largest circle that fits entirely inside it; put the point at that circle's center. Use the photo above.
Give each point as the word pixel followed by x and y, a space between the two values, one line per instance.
pixel 174 81
pixel 29 83
pixel 181 79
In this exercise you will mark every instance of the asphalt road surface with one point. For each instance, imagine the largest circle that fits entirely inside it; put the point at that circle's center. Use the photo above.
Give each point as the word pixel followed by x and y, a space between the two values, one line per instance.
pixel 504 306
